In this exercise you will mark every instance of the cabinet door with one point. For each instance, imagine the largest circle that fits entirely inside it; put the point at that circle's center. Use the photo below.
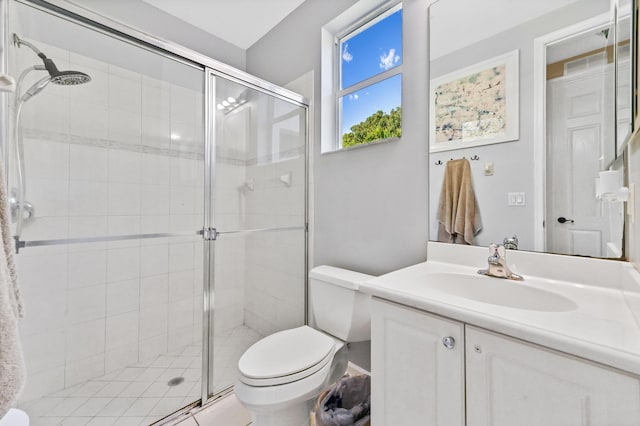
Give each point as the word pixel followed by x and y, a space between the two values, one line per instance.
pixel 416 379
pixel 510 382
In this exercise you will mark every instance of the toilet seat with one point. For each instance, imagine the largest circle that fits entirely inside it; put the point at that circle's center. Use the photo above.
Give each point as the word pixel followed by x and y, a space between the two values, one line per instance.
pixel 285 357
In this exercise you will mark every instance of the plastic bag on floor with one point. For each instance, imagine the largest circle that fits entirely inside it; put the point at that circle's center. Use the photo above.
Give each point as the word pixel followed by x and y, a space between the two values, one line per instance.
pixel 346 403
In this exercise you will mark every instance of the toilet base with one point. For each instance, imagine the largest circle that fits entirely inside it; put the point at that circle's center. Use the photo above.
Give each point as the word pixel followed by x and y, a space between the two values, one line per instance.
pixel 295 415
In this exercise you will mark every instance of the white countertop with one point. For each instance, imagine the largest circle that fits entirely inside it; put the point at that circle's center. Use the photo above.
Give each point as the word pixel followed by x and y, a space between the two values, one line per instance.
pixel 601 328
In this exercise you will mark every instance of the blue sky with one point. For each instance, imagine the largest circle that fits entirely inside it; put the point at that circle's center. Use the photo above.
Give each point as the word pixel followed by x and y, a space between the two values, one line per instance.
pixel 364 55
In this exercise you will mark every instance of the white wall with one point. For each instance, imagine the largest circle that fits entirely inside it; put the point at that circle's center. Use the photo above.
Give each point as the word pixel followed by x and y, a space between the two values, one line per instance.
pixel 147 18
pixel 513 161
pixel 370 206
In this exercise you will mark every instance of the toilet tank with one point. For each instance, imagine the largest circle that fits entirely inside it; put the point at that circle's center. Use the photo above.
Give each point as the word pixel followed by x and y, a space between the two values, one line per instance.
pixel 339 308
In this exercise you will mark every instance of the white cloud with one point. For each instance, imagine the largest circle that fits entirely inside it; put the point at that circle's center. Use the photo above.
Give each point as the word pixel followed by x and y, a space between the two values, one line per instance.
pixel 389 60
pixel 346 56
pixel 353 97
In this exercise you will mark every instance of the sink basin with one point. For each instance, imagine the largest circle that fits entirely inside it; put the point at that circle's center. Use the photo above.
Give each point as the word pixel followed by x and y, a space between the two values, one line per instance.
pixel 496 291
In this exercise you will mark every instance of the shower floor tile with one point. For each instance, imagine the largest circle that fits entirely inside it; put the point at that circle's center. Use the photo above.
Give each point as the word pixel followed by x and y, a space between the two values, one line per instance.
pixel 140 394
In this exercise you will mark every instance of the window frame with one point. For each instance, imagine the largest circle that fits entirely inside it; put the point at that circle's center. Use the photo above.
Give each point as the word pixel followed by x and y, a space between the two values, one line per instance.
pixel 349 32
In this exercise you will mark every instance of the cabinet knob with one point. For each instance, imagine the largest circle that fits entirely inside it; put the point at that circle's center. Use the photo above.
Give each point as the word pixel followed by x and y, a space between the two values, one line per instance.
pixel 448 342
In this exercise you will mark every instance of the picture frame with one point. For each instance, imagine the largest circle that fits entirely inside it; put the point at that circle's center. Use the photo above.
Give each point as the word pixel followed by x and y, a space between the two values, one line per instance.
pixel 476 105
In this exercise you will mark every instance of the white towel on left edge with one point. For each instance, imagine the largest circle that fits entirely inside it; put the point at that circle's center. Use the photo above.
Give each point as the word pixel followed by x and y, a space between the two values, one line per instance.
pixel 12 370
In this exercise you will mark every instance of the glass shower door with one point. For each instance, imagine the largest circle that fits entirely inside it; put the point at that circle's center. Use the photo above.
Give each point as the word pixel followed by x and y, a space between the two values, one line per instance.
pixel 258 210
pixel 110 265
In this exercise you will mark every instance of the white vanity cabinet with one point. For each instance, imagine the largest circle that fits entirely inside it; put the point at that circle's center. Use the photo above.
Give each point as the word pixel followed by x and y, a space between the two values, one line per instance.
pixel 510 382
pixel 418 380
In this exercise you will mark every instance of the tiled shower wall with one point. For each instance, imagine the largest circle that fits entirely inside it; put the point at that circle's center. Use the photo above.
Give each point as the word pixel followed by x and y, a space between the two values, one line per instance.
pixel 121 155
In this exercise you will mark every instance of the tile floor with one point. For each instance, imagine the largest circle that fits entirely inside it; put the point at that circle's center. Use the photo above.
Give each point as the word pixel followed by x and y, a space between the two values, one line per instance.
pixel 140 394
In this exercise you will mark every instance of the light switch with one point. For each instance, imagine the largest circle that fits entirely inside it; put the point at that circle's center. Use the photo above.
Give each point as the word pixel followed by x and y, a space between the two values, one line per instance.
pixel 488 169
pixel 516 199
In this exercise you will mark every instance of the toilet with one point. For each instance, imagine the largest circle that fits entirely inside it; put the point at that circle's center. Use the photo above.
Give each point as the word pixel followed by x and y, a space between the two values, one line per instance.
pixel 15 417
pixel 281 375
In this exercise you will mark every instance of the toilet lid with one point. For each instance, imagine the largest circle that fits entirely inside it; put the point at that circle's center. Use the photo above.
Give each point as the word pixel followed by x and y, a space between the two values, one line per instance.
pixel 286 352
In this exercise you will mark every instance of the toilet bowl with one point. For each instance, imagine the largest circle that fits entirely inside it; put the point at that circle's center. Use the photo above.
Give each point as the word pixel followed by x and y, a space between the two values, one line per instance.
pixel 15 417
pixel 281 375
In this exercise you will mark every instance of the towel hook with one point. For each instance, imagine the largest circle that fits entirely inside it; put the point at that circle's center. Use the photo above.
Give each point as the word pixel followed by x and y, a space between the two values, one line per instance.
pixel 438 163
pixel 475 157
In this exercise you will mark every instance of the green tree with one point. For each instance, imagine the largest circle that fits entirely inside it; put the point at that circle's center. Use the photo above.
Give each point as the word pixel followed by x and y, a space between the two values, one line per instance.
pixel 378 125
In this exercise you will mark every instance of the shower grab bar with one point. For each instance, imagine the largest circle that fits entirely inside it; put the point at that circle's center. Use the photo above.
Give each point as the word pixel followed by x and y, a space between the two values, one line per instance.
pixel 41 243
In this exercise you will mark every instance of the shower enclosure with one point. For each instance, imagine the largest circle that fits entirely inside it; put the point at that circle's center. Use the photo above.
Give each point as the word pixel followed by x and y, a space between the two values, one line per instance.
pixel 163 209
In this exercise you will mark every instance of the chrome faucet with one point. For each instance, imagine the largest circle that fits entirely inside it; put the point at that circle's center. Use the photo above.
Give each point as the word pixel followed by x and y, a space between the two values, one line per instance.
pixel 498 264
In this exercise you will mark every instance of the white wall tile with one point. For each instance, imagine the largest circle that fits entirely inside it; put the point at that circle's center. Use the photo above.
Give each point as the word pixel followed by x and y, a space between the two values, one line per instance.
pixel 123 296
pixel 87 268
pixel 180 315
pixel 97 91
pixel 78 371
pixel 125 126
pixel 181 256
pixel 87 198
pixel 47 160
pixel 183 103
pixel 185 172
pixel 86 303
pixel 122 330
pixel 85 339
pixel 154 260
pixel 124 199
pixel 123 226
pixel 183 200
pixel 49 113
pixel 179 338
pixel 123 264
pixel 49 196
pixel 180 285
pixel 88 162
pixel 124 166
pixel 43 383
pixel 43 351
pixel 121 357
pixel 89 119
pixel 154 321
pixel 152 347
pixel 155 199
pixel 125 93
pixel 156 101
pixel 156 169
pixel 155 132
pixel 154 290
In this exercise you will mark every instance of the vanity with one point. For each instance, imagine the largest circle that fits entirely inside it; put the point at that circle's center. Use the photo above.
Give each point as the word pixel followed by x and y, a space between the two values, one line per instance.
pixel 451 347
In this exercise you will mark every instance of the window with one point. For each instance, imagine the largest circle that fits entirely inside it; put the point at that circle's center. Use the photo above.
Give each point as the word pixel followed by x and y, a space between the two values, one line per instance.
pixel 368 92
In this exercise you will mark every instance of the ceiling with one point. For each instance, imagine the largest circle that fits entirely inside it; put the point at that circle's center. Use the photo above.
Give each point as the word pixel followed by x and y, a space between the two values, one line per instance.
pixel 239 22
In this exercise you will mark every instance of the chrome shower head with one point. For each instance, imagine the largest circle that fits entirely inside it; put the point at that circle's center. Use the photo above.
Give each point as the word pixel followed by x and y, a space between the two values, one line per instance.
pixel 63 78
pixel 70 78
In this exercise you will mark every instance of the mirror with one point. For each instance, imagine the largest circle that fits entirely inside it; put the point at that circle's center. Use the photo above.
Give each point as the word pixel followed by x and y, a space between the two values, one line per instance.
pixel 532 101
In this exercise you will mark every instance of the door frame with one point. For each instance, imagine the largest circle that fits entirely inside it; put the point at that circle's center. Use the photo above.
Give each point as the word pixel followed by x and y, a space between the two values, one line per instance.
pixel 540 118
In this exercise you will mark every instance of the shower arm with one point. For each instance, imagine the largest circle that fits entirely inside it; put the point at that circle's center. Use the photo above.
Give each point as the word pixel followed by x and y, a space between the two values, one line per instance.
pixel 19 42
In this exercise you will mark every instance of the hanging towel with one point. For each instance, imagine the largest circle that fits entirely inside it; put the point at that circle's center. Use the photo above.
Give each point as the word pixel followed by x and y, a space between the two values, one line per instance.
pixel 12 372
pixel 458 214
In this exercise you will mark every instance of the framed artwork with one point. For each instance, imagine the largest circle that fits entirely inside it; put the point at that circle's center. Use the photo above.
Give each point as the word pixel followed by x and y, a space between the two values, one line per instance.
pixel 477 105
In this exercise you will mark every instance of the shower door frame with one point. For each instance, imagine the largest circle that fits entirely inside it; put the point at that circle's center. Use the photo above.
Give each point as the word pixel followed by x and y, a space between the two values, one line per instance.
pixel 211 68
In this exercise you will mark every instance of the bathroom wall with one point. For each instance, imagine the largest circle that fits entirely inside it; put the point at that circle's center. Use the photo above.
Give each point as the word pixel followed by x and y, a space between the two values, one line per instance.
pixel 151 20
pixel 121 155
pixel 370 204
pixel 513 161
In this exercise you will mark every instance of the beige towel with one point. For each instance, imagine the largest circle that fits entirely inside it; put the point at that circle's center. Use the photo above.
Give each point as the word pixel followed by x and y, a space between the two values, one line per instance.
pixel 12 371
pixel 458 214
